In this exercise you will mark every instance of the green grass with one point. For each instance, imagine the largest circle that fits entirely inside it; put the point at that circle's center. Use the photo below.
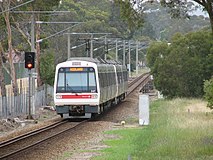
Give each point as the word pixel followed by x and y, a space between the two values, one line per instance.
pixel 180 130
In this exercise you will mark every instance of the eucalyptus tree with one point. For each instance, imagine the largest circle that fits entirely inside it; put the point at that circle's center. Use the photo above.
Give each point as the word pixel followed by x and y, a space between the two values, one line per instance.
pixel 47 67
pixel 183 7
pixel 5 9
pixel 3 36
pixel 34 10
pixel 98 16
pixel 2 81
pixel 179 8
pixel 158 24
pixel 40 5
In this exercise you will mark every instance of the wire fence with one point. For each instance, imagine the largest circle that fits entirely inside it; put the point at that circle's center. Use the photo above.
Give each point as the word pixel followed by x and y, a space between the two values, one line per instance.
pixel 13 106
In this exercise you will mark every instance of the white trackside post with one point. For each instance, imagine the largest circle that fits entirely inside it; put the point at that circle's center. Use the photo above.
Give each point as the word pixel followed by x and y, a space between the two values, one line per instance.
pixel 143 109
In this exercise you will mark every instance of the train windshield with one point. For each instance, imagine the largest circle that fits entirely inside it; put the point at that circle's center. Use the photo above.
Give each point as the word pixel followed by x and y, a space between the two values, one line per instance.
pixel 76 80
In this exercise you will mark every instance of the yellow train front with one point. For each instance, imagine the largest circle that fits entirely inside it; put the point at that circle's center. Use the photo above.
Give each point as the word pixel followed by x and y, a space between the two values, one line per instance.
pixel 86 86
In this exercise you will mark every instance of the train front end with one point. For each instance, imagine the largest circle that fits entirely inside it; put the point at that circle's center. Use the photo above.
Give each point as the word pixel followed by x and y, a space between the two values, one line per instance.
pixel 76 88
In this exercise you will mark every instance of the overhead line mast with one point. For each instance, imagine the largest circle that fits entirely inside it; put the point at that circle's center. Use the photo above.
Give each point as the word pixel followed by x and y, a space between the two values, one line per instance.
pixel 91 38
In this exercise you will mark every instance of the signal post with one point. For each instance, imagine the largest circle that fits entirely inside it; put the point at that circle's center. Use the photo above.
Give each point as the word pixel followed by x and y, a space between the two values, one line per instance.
pixel 29 64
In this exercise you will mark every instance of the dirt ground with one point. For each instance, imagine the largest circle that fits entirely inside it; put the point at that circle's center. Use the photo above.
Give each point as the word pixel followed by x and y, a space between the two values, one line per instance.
pixel 14 126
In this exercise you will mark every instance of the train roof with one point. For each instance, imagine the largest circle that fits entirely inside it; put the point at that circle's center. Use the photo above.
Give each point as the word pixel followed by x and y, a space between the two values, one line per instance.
pixel 94 60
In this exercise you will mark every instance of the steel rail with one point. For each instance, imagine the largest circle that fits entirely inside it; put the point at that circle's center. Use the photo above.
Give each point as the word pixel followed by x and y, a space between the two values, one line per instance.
pixel 40 141
pixel 31 133
pixel 142 79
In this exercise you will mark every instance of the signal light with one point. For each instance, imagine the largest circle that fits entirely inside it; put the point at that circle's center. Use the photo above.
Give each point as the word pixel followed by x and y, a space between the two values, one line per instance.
pixel 29 60
pixel 29 65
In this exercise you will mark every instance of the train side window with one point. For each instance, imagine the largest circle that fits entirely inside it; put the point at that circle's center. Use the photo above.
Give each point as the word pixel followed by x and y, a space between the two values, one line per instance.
pixel 61 81
pixel 107 79
pixel 101 79
pixel 119 77
pixel 125 75
pixel 122 76
pixel 92 82
pixel 112 78
pixel 104 80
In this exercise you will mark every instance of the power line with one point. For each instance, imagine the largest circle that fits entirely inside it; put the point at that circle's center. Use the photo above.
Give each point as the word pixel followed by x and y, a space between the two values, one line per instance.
pixel 78 45
pixel 42 22
pixel 37 12
pixel 17 6
pixel 40 40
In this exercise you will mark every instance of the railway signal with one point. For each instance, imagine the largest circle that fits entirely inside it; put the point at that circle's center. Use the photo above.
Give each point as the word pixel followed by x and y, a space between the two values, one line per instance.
pixel 29 64
pixel 29 60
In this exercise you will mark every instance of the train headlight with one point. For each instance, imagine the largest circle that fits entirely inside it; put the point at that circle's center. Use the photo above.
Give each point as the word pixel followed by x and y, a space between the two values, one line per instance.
pixel 94 96
pixel 58 96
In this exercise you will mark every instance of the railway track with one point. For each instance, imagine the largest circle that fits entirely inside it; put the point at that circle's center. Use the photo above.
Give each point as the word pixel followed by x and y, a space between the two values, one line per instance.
pixel 14 146
pixel 141 80
pixel 23 142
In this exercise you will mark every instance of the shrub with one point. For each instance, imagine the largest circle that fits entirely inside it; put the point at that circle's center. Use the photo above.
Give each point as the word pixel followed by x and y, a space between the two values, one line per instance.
pixel 208 89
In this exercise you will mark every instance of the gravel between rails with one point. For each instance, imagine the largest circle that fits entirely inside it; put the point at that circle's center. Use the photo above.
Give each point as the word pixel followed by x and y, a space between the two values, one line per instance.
pixel 75 144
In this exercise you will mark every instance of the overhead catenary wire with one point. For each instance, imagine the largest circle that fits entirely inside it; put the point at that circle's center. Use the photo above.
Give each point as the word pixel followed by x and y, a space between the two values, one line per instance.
pixel 15 6
pixel 78 45
pixel 40 40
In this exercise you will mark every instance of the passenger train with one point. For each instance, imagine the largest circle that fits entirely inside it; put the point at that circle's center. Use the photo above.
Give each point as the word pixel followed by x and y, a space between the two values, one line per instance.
pixel 88 86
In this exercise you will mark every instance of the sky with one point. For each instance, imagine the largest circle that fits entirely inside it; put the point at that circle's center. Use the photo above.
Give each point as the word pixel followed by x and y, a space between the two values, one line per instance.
pixel 199 10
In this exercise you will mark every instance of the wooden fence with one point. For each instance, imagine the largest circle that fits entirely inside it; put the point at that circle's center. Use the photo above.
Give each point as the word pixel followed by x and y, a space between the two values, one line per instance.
pixel 13 106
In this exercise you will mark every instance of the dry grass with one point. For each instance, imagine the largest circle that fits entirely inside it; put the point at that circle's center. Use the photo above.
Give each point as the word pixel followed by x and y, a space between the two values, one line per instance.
pixel 193 115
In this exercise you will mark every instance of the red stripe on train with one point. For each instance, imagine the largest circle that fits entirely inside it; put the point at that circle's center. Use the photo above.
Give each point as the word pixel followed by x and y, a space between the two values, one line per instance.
pixel 76 96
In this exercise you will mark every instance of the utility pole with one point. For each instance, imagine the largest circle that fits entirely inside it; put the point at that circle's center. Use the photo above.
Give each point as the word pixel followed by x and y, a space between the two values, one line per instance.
pixel 129 63
pixel 87 47
pixel 68 46
pixel 32 33
pixel 105 50
pixel 136 61
pixel 124 52
pixel 91 46
pixel 116 50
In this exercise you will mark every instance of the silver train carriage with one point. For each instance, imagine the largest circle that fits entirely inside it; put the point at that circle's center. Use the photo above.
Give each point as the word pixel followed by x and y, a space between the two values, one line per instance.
pixel 88 86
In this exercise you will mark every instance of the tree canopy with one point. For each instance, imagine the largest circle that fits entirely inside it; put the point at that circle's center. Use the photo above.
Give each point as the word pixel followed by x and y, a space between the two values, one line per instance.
pixel 178 8
pixel 181 67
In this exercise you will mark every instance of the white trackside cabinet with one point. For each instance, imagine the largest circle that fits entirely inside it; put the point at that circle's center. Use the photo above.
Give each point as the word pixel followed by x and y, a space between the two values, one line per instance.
pixel 143 109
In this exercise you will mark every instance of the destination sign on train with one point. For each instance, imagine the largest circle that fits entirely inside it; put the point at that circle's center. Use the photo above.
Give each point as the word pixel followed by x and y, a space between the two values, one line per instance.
pixel 76 69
